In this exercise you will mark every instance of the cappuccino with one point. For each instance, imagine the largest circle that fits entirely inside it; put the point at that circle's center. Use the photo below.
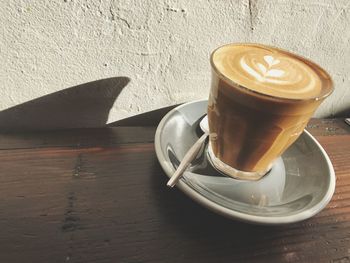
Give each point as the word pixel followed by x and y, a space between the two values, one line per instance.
pixel 260 101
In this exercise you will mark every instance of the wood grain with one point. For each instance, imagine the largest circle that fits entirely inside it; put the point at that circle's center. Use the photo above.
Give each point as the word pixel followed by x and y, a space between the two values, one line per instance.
pixel 99 195
pixel 77 138
pixel 327 127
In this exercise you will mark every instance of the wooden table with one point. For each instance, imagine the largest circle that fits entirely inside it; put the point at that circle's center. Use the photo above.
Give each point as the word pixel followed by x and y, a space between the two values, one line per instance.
pixel 99 195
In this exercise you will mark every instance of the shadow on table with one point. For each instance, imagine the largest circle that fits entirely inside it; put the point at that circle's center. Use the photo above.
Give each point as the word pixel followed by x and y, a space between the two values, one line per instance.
pixel 213 232
pixel 82 106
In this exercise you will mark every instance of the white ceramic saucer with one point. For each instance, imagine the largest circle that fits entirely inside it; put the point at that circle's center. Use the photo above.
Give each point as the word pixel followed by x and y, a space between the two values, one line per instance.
pixel 300 184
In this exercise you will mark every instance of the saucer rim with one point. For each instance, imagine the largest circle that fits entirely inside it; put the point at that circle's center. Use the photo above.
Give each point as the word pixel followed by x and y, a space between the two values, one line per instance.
pixel 233 214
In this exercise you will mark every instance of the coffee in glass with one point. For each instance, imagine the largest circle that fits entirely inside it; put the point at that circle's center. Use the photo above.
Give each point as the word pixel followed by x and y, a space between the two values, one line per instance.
pixel 260 101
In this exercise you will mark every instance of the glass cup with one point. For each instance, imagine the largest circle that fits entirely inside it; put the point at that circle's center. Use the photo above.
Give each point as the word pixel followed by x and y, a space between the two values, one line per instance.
pixel 250 127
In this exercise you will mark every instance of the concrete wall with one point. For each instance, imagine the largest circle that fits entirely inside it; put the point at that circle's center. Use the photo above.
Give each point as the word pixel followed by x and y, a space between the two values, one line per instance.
pixel 161 46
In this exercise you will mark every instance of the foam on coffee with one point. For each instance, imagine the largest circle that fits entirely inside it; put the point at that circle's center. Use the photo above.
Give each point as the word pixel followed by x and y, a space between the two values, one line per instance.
pixel 268 70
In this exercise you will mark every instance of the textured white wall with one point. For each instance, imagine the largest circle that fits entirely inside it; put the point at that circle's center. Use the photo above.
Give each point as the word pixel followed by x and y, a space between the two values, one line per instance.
pixel 162 46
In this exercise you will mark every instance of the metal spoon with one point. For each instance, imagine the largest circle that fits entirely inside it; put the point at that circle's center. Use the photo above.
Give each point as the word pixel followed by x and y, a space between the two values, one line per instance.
pixel 191 153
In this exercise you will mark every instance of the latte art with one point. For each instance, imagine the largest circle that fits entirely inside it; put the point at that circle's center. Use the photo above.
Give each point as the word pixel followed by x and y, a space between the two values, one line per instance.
pixel 268 71
pixel 264 73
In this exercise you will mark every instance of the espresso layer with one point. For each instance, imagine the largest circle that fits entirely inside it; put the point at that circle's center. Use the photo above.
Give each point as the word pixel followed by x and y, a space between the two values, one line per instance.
pixel 269 71
pixel 248 133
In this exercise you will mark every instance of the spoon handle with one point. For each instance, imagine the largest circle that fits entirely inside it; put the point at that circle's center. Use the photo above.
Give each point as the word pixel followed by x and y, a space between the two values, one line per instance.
pixel 189 156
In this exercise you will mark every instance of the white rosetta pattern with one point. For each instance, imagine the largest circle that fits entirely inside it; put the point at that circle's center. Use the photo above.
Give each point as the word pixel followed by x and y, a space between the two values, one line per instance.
pixel 266 73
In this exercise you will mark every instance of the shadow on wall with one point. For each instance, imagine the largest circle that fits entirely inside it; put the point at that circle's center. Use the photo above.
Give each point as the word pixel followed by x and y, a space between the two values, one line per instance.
pixel 82 106
pixel 344 113
pixel 150 118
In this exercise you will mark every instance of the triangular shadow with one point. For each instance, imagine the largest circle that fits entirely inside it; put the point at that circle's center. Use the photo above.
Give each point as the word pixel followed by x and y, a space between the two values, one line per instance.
pixel 82 106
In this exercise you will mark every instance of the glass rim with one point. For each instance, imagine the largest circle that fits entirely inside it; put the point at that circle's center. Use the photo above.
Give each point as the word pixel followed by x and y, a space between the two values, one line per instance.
pixel 309 62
